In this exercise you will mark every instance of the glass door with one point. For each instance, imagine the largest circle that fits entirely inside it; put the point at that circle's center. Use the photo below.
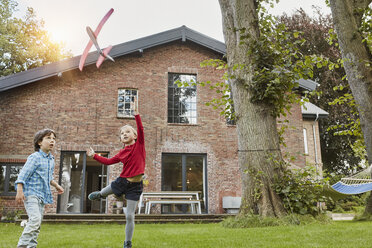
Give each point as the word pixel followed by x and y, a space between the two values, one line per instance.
pixel 71 178
pixel 184 172
pixel 79 176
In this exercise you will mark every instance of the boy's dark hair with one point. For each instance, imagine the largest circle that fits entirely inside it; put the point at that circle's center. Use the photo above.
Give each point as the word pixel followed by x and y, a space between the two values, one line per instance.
pixel 39 135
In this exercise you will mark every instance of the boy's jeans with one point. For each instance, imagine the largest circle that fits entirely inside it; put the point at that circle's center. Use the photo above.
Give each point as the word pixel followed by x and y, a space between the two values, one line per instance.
pixel 35 211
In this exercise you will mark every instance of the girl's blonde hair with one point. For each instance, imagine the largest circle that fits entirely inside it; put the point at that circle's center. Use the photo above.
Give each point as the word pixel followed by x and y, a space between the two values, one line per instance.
pixel 129 126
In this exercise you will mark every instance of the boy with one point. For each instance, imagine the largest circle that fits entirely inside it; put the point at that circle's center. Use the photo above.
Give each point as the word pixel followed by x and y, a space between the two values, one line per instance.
pixel 33 185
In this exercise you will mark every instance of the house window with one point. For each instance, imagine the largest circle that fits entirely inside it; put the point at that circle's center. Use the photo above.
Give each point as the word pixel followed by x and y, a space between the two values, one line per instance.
pixel 181 100
pixel 125 98
pixel 305 142
pixel 8 175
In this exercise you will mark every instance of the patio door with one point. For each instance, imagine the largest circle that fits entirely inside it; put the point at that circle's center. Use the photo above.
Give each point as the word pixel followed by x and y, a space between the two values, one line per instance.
pixel 184 172
pixel 80 176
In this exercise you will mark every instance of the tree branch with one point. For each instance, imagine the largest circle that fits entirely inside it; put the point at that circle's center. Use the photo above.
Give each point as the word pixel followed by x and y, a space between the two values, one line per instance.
pixel 362 3
pixel 228 22
pixel 358 9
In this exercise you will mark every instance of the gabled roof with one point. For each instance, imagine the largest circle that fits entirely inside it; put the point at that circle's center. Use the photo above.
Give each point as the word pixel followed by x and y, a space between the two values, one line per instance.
pixel 182 33
pixel 307 84
pixel 312 111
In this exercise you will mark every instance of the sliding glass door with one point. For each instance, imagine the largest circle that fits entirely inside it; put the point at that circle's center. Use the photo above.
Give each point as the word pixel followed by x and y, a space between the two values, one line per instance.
pixel 79 176
pixel 184 172
pixel 72 177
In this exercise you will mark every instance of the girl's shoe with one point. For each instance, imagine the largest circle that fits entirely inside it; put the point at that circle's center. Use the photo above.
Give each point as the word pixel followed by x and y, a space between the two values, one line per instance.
pixel 127 244
pixel 94 196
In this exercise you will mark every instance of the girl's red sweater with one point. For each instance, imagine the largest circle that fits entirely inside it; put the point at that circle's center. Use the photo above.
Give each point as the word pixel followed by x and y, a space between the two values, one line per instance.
pixel 133 157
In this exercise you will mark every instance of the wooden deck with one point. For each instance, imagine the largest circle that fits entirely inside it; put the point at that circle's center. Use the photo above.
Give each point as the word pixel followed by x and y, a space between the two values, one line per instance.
pixel 120 218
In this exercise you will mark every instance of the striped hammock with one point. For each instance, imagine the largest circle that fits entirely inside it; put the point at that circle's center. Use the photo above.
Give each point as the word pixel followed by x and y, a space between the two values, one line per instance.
pixel 356 184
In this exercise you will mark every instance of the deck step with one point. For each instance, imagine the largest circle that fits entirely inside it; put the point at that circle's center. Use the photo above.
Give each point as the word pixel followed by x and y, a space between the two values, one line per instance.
pixel 120 218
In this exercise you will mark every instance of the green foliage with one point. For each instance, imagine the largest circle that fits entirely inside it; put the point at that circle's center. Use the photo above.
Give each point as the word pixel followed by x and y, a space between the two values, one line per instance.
pixel 277 63
pixel 253 221
pixel 250 221
pixel 300 189
pixel 257 176
pixel 363 217
pixel 337 150
pixel 352 125
pixel 347 204
pixel 23 42
pixel 224 103
pixel 11 215
pixel 366 28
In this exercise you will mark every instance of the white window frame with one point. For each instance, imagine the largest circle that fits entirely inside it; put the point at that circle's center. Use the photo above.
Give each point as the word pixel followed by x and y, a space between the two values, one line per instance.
pixel 192 114
pixel 124 108
pixel 305 142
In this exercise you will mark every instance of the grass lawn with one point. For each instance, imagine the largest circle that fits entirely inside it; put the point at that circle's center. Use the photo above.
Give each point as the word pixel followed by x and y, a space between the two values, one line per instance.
pixel 338 234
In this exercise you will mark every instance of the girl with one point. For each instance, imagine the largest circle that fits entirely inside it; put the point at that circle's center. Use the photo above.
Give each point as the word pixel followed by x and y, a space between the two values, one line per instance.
pixel 129 183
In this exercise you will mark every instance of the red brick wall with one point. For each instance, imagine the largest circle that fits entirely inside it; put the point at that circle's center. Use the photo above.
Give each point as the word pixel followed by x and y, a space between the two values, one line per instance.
pixel 7 203
pixel 293 136
pixel 81 108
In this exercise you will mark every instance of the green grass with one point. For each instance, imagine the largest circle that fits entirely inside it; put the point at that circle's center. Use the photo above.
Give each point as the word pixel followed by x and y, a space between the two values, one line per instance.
pixel 337 234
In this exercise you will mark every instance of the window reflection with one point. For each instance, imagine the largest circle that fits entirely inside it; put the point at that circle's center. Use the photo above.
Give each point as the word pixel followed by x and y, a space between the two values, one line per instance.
pixel 8 176
pixel 71 182
pixel 194 173
pixel 2 178
pixel 172 173
pixel 13 174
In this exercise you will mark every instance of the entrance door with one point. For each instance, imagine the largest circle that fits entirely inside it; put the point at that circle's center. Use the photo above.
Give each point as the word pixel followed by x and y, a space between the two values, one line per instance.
pixel 80 176
pixel 184 172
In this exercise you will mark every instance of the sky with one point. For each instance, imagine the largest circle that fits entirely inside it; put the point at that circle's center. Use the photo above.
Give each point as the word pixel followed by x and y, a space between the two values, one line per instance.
pixel 66 20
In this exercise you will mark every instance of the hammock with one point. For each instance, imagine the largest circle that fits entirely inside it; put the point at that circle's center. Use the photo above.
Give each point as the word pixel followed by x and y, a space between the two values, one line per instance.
pixel 356 184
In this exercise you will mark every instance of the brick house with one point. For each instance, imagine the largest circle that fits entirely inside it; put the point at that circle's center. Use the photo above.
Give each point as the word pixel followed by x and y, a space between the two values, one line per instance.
pixel 189 145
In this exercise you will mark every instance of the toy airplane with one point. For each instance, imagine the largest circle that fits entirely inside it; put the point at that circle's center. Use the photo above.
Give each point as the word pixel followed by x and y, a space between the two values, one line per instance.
pixel 93 40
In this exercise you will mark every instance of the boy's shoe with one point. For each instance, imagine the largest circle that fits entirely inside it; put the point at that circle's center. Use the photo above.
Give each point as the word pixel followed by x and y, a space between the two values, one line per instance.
pixel 94 196
pixel 127 244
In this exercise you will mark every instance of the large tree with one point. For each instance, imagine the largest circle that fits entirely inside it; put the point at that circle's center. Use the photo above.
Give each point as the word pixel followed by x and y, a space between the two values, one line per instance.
pixel 258 138
pixel 337 149
pixel 24 44
pixel 352 20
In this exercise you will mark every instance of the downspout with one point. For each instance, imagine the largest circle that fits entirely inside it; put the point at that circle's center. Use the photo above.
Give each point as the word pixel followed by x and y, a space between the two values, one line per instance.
pixel 315 144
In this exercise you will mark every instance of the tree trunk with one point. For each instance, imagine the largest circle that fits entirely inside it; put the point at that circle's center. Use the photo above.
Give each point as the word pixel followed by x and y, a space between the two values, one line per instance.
pixel 257 131
pixel 347 20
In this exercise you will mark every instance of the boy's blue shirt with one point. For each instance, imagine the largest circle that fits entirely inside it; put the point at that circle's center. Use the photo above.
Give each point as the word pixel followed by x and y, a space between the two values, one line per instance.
pixel 36 175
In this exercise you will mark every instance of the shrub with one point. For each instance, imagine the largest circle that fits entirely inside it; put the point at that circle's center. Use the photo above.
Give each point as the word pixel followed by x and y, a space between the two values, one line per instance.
pixel 11 215
pixel 251 221
pixel 300 190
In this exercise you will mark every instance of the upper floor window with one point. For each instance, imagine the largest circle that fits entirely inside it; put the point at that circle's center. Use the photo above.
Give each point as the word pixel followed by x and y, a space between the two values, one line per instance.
pixel 305 142
pixel 125 98
pixel 229 110
pixel 181 100
pixel 8 176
